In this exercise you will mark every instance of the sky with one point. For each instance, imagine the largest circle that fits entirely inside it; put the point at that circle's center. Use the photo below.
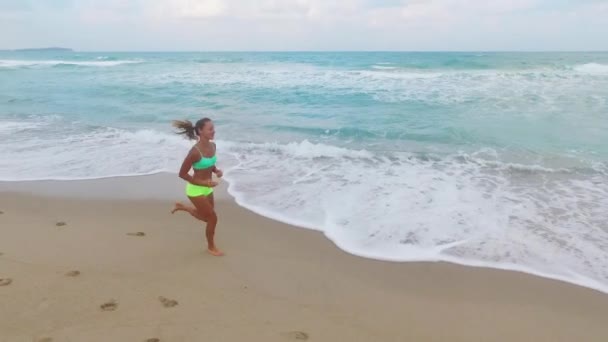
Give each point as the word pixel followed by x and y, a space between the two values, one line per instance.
pixel 317 25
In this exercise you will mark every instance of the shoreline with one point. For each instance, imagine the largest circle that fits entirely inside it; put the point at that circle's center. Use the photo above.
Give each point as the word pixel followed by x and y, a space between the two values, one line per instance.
pixel 276 282
pixel 166 186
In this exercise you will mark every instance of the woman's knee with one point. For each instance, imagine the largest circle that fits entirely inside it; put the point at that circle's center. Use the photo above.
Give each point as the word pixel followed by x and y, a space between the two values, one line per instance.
pixel 207 215
pixel 199 216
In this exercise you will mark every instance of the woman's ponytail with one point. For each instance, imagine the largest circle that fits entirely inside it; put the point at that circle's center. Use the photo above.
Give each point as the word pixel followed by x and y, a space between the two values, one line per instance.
pixel 186 128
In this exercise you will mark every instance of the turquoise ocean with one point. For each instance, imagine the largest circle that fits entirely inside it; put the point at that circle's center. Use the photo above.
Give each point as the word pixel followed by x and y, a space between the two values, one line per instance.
pixel 484 159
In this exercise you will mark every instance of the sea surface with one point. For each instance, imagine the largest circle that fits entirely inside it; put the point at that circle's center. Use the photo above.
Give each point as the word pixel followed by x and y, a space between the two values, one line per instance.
pixel 485 159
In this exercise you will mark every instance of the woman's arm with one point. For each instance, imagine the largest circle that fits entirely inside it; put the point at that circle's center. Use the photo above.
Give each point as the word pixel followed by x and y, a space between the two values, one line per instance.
pixel 186 166
pixel 217 172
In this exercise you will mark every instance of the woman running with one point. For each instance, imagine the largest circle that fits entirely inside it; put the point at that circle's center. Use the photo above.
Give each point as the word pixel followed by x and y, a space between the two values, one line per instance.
pixel 200 186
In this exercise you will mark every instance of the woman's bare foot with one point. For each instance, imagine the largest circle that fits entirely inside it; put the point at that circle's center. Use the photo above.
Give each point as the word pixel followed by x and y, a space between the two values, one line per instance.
pixel 178 207
pixel 215 252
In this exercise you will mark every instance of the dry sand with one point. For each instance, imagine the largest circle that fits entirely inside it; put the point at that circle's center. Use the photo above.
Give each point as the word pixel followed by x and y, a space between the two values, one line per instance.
pixel 80 271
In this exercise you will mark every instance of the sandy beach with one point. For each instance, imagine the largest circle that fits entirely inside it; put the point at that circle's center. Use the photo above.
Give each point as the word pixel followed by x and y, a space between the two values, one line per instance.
pixel 104 260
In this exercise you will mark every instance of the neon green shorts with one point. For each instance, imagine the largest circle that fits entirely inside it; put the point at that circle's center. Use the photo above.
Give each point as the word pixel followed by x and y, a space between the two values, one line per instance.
pixel 198 190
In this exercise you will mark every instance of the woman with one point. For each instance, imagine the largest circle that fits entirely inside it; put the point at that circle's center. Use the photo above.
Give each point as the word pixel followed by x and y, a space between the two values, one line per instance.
pixel 199 189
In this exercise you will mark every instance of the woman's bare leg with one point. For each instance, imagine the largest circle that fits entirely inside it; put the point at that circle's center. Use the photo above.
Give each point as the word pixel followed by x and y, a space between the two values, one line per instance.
pixel 191 210
pixel 205 209
pixel 212 200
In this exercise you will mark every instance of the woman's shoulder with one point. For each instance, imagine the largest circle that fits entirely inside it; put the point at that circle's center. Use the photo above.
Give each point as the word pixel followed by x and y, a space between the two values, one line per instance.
pixel 194 150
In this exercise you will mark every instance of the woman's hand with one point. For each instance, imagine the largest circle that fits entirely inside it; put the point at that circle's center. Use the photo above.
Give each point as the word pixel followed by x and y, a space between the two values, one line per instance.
pixel 219 173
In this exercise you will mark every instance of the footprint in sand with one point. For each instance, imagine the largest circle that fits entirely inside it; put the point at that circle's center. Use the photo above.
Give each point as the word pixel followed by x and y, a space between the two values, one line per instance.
pixel 168 303
pixel 137 234
pixel 1 212
pixel 5 281
pixel 45 339
pixel 296 335
pixel 109 306
pixel 60 224
pixel 153 340
pixel 73 274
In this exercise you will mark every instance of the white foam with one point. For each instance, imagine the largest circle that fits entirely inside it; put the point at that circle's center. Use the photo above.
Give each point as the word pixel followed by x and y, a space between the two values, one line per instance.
pixel 407 209
pixel 592 68
pixel 103 152
pixel 303 149
pixel 383 67
pixel 7 127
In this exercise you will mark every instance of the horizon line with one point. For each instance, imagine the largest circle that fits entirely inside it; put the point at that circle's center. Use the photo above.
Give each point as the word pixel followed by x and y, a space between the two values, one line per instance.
pixel 33 49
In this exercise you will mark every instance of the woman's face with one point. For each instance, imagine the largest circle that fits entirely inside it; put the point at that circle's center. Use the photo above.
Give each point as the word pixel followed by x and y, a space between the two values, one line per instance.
pixel 208 131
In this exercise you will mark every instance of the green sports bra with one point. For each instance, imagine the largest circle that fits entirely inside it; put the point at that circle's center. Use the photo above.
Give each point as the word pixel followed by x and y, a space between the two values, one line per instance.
pixel 204 162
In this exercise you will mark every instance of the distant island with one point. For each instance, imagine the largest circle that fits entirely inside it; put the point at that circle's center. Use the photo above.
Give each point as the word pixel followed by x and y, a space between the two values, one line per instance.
pixel 49 49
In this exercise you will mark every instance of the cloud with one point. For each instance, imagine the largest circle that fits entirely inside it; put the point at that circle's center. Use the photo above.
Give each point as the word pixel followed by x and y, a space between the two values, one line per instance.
pixel 430 15
pixel 193 8
pixel 310 9
pixel 307 24
pixel 453 11
pixel 255 9
pixel 100 12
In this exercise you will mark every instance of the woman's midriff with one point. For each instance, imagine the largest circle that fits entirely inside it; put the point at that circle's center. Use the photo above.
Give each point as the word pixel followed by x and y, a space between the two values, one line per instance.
pixel 203 176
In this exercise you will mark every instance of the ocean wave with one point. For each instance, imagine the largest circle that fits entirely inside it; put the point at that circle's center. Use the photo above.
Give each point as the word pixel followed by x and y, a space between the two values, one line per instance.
pixel 26 123
pixel 219 60
pixel 592 68
pixel 86 152
pixel 88 135
pixel 106 58
pixel 14 127
pixel 534 89
pixel 509 71
pixel 405 207
pixel 383 67
pixel 7 63
pixel 303 149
